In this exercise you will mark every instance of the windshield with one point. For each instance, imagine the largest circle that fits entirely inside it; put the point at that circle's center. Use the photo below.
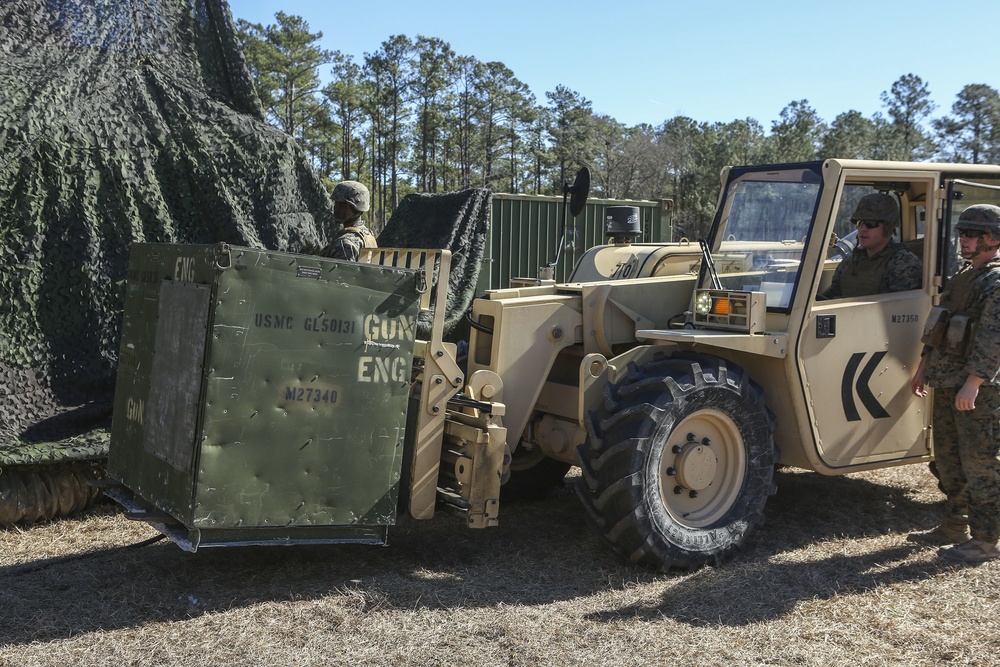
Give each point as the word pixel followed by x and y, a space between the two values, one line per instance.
pixel 761 230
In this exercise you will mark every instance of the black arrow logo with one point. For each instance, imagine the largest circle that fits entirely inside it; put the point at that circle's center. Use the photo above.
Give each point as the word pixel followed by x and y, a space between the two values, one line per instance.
pixel 868 399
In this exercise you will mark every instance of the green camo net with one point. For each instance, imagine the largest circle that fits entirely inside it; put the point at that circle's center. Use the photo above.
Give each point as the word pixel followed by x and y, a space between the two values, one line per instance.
pixel 458 221
pixel 120 121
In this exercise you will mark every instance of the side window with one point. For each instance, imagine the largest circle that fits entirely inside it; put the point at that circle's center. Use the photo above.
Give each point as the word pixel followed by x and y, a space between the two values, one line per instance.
pixel 916 243
pixel 963 194
pixel 875 267
pixel 844 231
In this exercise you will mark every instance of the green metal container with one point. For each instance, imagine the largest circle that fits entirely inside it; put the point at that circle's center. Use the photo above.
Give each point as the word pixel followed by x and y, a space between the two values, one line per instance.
pixel 262 396
pixel 525 231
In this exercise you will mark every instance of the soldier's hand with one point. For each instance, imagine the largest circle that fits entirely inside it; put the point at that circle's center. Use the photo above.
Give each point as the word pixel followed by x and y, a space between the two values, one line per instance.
pixel 917 383
pixel 966 398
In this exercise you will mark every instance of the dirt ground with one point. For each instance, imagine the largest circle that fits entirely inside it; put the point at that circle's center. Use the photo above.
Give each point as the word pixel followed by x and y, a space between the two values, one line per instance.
pixel 830 580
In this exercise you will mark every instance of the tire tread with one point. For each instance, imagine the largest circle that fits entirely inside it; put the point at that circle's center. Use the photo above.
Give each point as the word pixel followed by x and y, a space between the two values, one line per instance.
pixel 620 438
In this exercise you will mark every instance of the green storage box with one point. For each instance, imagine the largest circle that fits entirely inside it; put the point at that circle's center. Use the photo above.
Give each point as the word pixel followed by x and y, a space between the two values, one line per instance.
pixel 262 396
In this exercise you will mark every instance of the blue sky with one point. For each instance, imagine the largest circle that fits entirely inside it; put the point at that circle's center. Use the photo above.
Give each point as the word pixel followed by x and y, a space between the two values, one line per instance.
pixel 645 62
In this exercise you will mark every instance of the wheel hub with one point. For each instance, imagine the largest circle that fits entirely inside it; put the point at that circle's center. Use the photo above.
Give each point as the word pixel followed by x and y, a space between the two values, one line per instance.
pixel 696 466
pixel 701 473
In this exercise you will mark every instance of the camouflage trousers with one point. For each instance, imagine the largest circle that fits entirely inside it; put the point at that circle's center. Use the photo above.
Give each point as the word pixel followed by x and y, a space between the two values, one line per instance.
pixel 967 453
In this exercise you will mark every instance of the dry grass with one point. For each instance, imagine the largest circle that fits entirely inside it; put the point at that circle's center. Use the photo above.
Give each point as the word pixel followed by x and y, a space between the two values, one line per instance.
pixel 830 580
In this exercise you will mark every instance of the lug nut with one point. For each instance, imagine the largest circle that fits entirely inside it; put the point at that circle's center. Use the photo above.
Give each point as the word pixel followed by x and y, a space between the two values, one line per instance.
pixel 692 437
pixel 706 441
pixel 693 494
pixel 678 490
pixel 676 449
pixel 671 472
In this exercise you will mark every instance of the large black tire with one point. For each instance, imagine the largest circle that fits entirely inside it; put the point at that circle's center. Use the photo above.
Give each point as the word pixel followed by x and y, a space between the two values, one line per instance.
pixel 679 462
pixel 38 493
pixel 532 476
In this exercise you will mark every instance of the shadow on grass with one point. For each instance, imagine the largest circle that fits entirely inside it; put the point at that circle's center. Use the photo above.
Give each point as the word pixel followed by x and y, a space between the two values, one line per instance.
pixel 541 553
pixel 761 590
pixel 796 557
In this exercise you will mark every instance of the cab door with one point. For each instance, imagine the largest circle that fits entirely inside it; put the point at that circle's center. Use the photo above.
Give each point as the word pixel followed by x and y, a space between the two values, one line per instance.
pixel 857 355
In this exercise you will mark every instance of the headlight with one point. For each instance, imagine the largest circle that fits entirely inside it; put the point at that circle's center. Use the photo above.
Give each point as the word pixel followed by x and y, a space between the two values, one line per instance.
pixel 703 303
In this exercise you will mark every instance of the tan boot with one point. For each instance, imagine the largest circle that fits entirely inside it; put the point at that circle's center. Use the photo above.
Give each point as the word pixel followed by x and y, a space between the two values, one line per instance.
pixel 973 551
pixel 949 532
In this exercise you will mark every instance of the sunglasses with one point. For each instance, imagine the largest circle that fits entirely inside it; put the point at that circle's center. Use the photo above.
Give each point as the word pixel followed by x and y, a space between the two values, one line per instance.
pixel 971 233
pixel 867 224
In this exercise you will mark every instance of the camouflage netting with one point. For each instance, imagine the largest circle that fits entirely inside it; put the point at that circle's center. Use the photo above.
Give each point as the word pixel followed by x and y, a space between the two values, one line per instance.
pixel 459 222
pixel 125 121
pixel 120 121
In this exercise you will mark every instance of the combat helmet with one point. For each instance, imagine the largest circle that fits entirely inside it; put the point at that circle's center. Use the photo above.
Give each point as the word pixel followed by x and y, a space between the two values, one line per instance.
pixel 984 217
pixel 353 193
pixel 877 206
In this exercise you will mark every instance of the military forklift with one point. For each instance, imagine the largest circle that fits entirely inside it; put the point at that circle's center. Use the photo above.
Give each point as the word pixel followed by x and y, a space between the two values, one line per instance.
pixel 273 398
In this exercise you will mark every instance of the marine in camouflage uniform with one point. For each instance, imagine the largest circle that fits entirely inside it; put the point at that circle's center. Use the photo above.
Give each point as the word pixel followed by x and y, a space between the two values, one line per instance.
pixel 878 264
pixel 964 369
pixel 350 201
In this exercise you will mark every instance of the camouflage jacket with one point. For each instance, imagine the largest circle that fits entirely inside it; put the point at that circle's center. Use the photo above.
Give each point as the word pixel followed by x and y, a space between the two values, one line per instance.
pixel 349 242
pixel 974 292
pixel 892 269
